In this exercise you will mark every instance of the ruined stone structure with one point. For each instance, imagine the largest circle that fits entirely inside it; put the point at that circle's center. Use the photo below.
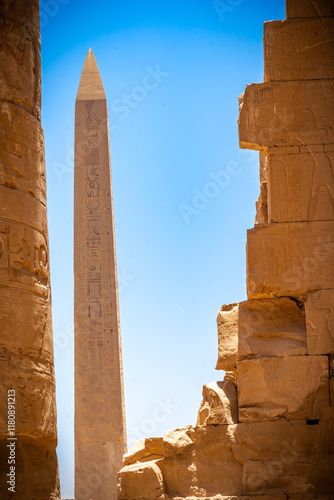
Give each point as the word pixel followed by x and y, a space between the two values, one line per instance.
pixel 28 462
pixel 99 401
pixel 267 431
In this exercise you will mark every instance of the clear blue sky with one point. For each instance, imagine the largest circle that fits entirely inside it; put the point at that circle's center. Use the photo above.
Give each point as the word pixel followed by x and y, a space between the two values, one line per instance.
pixel 180 232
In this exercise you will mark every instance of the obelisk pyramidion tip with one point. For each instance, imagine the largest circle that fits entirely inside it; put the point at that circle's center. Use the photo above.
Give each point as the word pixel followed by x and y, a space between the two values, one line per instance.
pixel 90 86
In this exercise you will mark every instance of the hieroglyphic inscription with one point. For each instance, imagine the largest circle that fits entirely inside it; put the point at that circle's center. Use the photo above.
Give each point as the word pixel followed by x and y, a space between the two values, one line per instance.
pixel 93 237
pixel 319 312
pixel 289 259
pixel 98 370
pixel 34 400
pixel 23 257
pixel 99 315
pixel 301 185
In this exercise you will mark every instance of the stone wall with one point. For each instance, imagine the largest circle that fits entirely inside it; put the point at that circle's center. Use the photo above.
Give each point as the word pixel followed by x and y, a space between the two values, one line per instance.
pixel 267 431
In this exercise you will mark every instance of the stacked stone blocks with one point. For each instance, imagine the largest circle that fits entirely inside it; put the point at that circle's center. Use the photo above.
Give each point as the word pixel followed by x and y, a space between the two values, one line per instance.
pixel 267 430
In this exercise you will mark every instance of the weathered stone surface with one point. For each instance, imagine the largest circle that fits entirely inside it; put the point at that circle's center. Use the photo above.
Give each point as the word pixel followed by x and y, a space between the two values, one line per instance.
pixel 262 202
pixel 231 375
pixel 319 311
pixel 140 482
pixel 176 442
pixel 306 8
pixel 287 114
pixel 296 459
pixel 259 328
pixel 269 476
pixel 234 497
pixel 219 404
pixel 301 186
pixel 289 259
pixel 227 322
pixel 300 49
pixel 282 456
pixel 36 468
pixel 145 450
pixel 331 379
pixel 274 496
pixel 20 59
pixel 100 439
pixel 262 205
pixel 253 459
pixel 206 468
pixel 22 144
pixel 223 455
pixel 294 387
pixel 155 445
pixel 271 327
pixel 23 237
pixel 26 344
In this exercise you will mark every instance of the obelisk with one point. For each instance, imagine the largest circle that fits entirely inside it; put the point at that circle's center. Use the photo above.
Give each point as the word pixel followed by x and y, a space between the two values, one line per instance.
pixel 99 397
pixel 28 423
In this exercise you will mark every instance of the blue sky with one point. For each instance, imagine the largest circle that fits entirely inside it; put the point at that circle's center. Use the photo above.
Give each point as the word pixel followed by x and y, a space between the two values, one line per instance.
pixel 184 193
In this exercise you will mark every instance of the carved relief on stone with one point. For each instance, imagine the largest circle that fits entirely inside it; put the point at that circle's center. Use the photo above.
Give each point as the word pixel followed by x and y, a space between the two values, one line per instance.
pixel 20 54
pixel 292 387
pixel 301 185
pixel 289 259
pixel 306 8
pixel 300 49
pixel 319 310
pixel 296 113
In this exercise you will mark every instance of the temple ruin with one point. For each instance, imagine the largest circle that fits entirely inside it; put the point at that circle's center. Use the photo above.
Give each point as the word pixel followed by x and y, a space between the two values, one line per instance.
pixel 267 430
pixel 264 432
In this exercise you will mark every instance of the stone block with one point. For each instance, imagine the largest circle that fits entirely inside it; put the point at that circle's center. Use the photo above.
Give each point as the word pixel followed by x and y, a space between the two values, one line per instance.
pixel 142 481
pixel 301 185
pixel 299 49
pixel 205 469
pixel 289 259
pixel 286 114
pixel 293 387
pixel 261 205
pixel 271 327
pixel 252 460
pixel 272 476
pixel 305 8
pixel 291 457
pixel 260 328
pixel 219 404
pixel 227 322
pixel 145 450
pixel 286 456
pixel 319 311
pixel 261 216
pixel 155 445
pixel 220 461
pixel 177 441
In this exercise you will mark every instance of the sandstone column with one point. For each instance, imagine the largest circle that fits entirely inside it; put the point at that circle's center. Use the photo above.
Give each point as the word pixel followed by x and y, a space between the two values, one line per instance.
pixel 99 400
pixel 26 347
